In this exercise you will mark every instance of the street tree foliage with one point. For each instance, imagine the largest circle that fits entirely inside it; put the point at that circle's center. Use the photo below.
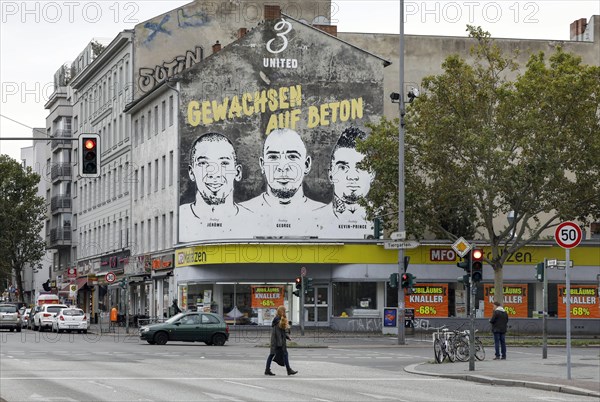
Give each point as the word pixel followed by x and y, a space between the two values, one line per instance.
pixel 479 145
pixel 22 214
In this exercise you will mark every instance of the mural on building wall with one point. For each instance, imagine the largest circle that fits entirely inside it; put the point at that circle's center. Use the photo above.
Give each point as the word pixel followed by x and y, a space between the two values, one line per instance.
pixel 168 41
pixel 268 131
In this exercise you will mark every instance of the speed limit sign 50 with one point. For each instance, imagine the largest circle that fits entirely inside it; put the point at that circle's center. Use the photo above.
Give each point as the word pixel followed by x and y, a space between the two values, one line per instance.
pixel 568 235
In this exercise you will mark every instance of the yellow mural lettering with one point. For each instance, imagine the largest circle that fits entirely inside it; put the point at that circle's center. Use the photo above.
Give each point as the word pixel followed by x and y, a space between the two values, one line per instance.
pixel 235 109
pixel 247 109
pixel 220 109
pixel 287 119
pixel 194 113
pixel 357 108
pixel 313 117
pixel 273 104
pixel 206 120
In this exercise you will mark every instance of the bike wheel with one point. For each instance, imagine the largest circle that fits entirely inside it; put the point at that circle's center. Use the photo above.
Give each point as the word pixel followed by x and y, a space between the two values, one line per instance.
pixel 479 350
pixel 461 350
pixel 438 351
pixel 450 351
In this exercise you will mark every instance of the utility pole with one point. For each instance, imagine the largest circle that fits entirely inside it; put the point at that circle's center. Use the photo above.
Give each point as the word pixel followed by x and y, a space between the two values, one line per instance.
pixel 401 226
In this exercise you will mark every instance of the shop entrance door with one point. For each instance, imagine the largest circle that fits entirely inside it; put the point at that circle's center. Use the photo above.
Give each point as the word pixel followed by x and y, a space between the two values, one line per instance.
pixel 316 307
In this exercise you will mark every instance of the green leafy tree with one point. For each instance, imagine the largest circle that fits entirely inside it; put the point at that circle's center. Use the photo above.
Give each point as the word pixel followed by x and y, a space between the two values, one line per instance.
pixel 22 215
pixel 479 145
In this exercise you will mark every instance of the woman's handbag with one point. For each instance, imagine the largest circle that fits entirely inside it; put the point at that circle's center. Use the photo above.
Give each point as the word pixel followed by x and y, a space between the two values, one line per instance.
pixel 279 357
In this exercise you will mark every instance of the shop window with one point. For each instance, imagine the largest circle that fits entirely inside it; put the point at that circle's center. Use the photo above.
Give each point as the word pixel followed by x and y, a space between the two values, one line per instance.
pixel 349 297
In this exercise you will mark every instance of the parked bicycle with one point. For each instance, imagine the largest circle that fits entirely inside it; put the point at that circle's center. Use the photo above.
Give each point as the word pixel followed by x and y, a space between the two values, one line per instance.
pixel 462 349
pixel 443 344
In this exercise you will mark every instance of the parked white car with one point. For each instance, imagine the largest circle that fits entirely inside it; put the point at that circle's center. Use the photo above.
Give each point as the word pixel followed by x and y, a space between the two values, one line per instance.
pixel 70 319
pixel 45 315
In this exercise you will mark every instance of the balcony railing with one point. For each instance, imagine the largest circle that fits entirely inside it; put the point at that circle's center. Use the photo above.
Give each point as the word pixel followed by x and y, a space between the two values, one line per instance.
pixel 60 236
pixel 61 201
pixel 61 169
pixel 61 133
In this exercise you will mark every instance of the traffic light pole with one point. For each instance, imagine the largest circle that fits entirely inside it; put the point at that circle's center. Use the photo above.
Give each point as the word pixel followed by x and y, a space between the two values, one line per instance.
pixel 545 314
pixel 302 306
pixel 401 224
pixel 473 290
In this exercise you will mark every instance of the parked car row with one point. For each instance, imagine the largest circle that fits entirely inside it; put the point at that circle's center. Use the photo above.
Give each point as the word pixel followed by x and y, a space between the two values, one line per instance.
pixel 55 317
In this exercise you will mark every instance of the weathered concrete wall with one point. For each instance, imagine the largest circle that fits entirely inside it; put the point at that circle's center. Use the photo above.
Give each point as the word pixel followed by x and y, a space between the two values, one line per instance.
pixel 170 42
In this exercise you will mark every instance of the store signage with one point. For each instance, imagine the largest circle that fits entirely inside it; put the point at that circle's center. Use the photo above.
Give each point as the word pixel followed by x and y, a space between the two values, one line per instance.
pixel 72 272
pixel 515 300
pixel 584 301
pixel 428 300
pixel 267 296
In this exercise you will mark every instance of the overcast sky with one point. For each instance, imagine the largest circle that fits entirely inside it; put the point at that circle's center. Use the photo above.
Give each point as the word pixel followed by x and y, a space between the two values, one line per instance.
pixel 37 37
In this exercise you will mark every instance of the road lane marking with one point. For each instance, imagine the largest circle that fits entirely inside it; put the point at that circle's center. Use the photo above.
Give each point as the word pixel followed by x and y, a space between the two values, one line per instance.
pixel 245 385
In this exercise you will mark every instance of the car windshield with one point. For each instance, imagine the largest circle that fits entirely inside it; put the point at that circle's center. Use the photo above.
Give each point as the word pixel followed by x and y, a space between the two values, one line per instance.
pixel 8 309
pixel 176 317
pixel 54 309
pixel 72 312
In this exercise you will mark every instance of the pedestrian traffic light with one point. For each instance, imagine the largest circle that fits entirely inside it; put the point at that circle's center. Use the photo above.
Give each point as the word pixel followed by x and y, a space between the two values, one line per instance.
pixel 394 280
pixel 298 282
pixel 540 268
pixel 465 263
pixel 377 228
pixel 89 159
pixel 477 265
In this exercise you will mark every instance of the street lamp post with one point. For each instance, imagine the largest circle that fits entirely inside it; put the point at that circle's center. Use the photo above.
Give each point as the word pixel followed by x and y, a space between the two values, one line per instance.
pixel 401 226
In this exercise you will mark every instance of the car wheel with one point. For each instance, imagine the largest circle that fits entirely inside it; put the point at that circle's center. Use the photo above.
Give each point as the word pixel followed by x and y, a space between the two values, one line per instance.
pixel 85 331
pixel 18 329
pixel 161 338
pixel 219 339
pixel 12 329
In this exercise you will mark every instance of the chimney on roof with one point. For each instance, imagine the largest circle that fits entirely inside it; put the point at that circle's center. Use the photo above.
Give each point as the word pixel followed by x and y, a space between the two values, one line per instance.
pixel 272 12
pixel 242 32
pixel 216 47
pixel 330 29
pixel 577 29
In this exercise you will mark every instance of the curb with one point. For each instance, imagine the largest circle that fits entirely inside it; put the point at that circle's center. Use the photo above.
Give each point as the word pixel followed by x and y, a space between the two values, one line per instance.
pixel 505 382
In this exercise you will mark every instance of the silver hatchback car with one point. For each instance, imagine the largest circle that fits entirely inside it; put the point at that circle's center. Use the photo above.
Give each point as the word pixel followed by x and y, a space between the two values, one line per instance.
pixel 10 317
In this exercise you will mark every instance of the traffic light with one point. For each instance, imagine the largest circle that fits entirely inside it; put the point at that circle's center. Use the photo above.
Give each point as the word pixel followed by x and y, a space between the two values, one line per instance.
pixel 298 286
pixel 89 159
pixel 123 283
pixel 46 286
pixel 540 268
pixel 465 263
pixel 477 265
pixel 308 285
pixel 377 228
pixel 394 280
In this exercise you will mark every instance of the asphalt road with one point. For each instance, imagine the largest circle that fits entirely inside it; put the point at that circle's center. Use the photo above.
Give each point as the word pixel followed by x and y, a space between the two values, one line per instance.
pixel 77 367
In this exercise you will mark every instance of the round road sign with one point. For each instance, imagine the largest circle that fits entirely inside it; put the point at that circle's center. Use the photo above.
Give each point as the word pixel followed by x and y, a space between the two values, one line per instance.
pixel 568 235
pixel 110 277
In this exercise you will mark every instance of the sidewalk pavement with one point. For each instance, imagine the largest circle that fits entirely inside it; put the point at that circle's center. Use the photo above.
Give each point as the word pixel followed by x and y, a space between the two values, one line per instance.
pixel 524 366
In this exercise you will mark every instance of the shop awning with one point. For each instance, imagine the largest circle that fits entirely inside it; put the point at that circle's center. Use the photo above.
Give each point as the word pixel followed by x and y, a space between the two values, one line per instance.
pixel 80 282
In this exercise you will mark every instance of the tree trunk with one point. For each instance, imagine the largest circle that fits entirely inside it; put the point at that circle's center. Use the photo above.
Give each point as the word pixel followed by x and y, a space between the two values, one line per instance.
pixel 498 283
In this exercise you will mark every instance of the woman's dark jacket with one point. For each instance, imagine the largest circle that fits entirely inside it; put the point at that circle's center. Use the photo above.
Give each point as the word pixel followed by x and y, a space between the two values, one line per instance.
pixel 278 336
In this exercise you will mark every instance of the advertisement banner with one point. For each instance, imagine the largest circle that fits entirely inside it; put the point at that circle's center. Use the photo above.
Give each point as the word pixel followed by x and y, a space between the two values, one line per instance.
pixel 268 134
pixel 428 300
pixel 584 301
pixel 515 300
pixel 390 317
pixel 267 296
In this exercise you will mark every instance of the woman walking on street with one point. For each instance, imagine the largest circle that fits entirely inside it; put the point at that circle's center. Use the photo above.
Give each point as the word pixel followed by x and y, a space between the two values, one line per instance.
pixel 279 336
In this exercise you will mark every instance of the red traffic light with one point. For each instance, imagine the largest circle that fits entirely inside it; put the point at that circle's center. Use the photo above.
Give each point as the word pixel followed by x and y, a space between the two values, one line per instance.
pixel 298 282
pixel 89 144
pixel 477 255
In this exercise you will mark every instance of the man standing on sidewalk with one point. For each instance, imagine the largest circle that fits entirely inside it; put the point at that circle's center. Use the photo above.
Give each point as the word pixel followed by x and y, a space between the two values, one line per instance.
pixel 499 323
